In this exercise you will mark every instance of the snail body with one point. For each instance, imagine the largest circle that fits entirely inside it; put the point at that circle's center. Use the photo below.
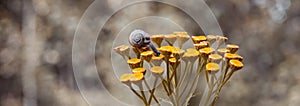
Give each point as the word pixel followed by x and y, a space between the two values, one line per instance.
pixel 139 38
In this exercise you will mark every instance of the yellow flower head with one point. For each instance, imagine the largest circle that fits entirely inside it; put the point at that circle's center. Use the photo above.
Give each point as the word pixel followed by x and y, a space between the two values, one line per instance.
pixel 212 67
pixel 139 70
pixel 134 63
pixel 171 38
pixel 232 48
pixel 157 39
pixel 137 77
pixel 182 38
pixel 177 52
pixel 198 39
pixel 166 50
pixel 211 38
pixel 201 45
pixel 180 33
pixel 157 70
pixel 147 55
pixel 215 58
pixel 230 56
pixel 222 51
pixel 222 38
pixel 157 60
pixel 204 52
pixel 122 50
pixel 125 78
pixel 236 64
pixel 174 62
pixel 191 55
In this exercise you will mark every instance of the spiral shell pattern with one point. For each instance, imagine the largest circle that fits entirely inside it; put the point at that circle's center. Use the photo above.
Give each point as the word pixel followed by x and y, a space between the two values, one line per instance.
pixel 136 38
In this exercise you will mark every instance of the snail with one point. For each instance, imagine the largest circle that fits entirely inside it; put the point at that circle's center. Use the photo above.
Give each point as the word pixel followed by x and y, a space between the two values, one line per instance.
pixel 139 38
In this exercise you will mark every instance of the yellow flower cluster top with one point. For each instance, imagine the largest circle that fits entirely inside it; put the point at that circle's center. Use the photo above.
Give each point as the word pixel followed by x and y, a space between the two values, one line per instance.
pixel 221 59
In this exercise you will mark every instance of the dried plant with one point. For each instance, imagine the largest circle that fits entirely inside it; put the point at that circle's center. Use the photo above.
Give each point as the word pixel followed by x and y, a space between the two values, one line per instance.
pixel 216 64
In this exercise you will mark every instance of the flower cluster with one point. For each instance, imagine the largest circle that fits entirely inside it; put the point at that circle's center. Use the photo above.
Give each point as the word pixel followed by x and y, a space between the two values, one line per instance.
pixel 216 64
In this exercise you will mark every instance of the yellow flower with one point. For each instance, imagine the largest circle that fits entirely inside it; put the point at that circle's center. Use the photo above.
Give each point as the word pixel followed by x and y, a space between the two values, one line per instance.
pixel 147 55
pixel 125 78
pixel 198 39
pixel 174 62
pixel 222 38
pixel 157 70
pixel 157 60
pixel 137 77
pixel 235 64
pixel 166 50
pixel 122 50
pixel 215 58
pixel 204 52
pixel 212 67
pixel 177 52
pixel 211 38
pixel 134 63
pixel 230 56
pixel 157 39
pixel 232 48
pixel 201 45
pixel 171 38
pixel 139 70
pixel 180 33
pixel 191 50
pixel 182 38
pixel 222 51
pixel 191 55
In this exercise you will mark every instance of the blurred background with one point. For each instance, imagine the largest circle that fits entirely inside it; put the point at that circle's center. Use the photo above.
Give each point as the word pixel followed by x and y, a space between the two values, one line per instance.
pixel 36 45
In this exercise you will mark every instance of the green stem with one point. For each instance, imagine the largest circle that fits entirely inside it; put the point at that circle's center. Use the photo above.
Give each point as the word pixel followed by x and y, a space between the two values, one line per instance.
pixel 184 74
pixel 141 97
pixel 175 72
pixel 151 92
pixel 228 76
pixel 210 91
pixel 144 96
pixel 199 64
pixel 154 85
pixel 168 76
pixel 137 94
pixel 188 80
pixel 225 70
pixel 169 43
pixel 207 79
pixel 193 84
pixel 164 84
pixel 221 86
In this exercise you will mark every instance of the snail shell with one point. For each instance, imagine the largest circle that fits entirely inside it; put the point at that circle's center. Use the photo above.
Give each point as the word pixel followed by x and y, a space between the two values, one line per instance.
pixel 139 38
